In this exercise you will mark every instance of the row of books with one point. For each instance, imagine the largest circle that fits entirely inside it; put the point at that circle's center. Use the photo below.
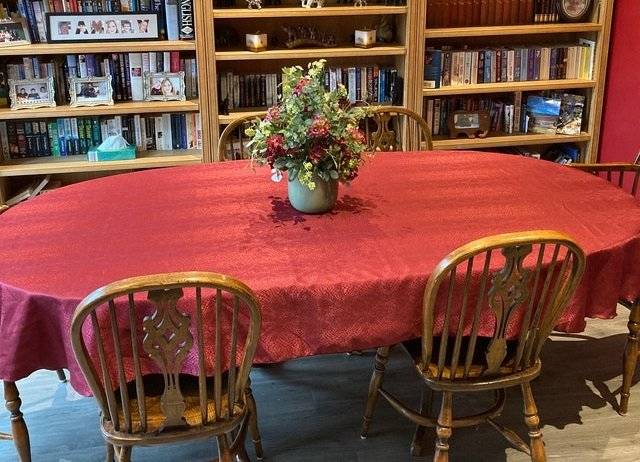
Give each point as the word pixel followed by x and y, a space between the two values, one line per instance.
pixel 448 67
pixel 543 113
pixel 76 135
pixel 175 17
pixel 372 84
pixel 461 13
pixel 126 70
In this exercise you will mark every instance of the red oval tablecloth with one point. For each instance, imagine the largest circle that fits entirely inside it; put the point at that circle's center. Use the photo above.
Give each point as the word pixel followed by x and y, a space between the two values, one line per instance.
pixel 346 280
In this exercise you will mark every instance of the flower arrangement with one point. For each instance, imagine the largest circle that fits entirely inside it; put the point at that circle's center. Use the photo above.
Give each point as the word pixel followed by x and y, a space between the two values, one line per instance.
pixel 311 134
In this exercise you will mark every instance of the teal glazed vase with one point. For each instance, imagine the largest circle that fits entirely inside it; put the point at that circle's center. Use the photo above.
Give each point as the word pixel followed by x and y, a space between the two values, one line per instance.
pixel 322 199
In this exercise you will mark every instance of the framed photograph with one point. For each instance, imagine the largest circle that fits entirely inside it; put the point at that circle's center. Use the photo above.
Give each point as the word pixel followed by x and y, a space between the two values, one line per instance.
pixel 90 91
pixel 164 86
pixel 574 10
pixel 31 93
pixel 101 27
pixel 13 32
pixel 471 124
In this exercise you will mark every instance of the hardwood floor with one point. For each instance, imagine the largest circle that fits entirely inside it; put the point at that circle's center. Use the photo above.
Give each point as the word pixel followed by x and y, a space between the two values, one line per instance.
pixel 310 411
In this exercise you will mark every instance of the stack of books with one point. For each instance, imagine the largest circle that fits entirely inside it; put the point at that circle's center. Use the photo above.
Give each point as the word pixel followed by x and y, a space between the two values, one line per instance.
pixel 373 84
pixel 462 13
pixel 449 67
pixel 76 135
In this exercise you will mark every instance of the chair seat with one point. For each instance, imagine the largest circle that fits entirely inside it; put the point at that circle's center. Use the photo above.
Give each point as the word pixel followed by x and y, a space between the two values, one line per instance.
pixel 476 369
pixel 155 417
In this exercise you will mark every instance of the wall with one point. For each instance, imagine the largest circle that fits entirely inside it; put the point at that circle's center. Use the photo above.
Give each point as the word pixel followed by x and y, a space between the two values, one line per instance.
pixel 621 119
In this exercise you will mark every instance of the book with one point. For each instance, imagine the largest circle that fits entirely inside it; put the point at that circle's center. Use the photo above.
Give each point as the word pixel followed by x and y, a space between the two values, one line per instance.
pixel 186 29
pixel 543 113
pixel 432 68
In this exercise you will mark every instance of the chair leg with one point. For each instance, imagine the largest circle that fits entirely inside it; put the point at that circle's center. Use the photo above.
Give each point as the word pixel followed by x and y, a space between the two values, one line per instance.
pixel 224 453
pixel 630 357
pixel 426 403
pixel 382 356
pixel 253 423
pixel 532 420
pixel 61 375
pixel 110 453
pixel 123 453
pixel 19 431
pixel 445 428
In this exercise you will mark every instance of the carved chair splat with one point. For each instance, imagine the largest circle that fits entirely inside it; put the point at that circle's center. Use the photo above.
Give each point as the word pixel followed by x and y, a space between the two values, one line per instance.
pixel 132 335
pixel 395 128
pixel 526 277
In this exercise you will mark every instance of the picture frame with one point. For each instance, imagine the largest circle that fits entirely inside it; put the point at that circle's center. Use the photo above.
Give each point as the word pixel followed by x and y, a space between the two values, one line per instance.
pixel 101 27
pixel 164 86
pixel 31 93
pixel 14 32
pixel 90 91
pixel 472 124
pixel 574 10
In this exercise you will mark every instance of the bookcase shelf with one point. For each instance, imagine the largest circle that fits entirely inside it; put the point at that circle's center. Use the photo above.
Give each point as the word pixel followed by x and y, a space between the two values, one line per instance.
pixel 508 140
pixel 100 47
pixel 289 12
pixel 128 107
pixel 311 53
pixel 526 29
pixel 79 164
pixel 501 87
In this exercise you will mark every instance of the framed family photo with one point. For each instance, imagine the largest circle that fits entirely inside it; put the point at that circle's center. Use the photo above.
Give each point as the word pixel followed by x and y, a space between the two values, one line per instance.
pixel 164 86
pixel 31 93
pixel 14 32
pixel 574 10
pixel 98 27
pixel 90 91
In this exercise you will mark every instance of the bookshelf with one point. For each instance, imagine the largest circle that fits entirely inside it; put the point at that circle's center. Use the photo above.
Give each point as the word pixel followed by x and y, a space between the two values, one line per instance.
pixel 15 171
pixel 338 19
pixel 595 28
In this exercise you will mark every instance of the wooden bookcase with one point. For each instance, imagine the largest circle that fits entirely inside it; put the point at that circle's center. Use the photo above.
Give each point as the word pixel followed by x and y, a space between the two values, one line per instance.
pixel 340 20
pixel 13 172
pixel 596 29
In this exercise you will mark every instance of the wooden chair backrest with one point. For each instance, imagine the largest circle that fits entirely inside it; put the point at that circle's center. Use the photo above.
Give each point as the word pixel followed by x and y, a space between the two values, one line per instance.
pixel 614 173
pixel 163 339
pixel 395 128
pixel 526 277
pixel 233 140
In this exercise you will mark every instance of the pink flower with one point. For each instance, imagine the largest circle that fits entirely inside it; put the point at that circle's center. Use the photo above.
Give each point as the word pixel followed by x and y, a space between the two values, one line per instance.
pixel 303 82
pixel 273 114
pixel 357 135
pixel 319 127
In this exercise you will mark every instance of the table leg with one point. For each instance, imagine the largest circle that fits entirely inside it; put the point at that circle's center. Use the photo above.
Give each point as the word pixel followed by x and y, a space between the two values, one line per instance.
pixel 630 357
pixel 18 425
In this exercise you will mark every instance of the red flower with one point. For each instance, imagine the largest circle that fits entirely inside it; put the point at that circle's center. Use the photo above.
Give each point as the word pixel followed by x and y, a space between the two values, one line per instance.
pixel 317 153
pixel 319 127
pixel 275 148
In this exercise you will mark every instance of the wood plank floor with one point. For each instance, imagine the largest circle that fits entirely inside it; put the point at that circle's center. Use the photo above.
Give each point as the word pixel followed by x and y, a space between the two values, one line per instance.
pixel 310 411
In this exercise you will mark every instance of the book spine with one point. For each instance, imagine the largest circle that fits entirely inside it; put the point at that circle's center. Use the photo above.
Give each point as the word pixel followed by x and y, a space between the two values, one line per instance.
pixel 171 19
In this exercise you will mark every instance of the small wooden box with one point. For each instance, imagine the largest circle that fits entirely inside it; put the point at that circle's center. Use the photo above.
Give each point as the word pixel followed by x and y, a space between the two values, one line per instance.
pixel 256 42
pixel 365 38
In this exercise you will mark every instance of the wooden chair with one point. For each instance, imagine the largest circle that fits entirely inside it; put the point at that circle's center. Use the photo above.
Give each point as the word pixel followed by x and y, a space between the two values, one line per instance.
pixel 523 279
pixel 232 143
pixel 394 128
pixel 615 173
pixel 170 407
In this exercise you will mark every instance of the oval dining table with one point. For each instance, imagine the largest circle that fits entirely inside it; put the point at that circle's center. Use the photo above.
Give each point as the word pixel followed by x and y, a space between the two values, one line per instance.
pixel 347 280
